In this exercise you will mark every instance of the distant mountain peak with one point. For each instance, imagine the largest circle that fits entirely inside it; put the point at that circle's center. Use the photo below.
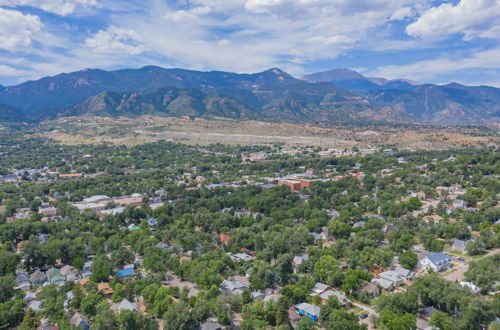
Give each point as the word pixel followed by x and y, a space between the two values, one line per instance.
pixel 333 75
pixel 384 81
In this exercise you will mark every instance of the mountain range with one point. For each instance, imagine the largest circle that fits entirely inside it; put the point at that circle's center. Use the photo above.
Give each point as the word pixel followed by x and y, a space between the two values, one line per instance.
pixel 332 97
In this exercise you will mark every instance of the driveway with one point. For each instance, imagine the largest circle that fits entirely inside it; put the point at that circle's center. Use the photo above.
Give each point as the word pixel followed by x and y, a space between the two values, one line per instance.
pixel 371 313
pixel 458 274
pixel 425 207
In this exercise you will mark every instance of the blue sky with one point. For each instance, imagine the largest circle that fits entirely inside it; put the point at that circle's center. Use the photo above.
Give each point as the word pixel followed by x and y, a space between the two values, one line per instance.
pixel 423 40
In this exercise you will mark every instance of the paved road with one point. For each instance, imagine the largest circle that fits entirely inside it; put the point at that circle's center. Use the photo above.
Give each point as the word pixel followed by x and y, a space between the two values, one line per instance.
pixel 462 267
pixel 368 310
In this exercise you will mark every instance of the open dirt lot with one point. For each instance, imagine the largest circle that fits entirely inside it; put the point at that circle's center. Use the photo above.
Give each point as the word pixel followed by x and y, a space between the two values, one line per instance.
pixel 133 131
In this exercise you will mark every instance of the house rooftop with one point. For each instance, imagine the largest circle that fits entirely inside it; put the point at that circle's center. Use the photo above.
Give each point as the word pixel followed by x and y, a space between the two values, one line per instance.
pixel 320 288
pixel 309 308
pixel 438 258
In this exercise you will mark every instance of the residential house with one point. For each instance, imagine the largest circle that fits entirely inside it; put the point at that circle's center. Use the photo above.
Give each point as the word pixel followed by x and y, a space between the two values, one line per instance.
pixel 210 325
pixel 421 195
pixel 22 281
pixel 54 276
pixel 225 238
pixel 320 236
pixel 105 289
pixel 152 222
pixel 256 295
pixel 126 271
pixel 459 245
pixel 240 257
pixel 370 289
pixel 86 269
pixel 312 311
pixel 319 288
pixel 334 293
pixel 275 298
pixel 35 305
pixel 298 260
pixel 359 224
pixel 386 285
pixel 30 296
pixel 127 305
pixel 424 316
pixel 69 297
pixel 43 238
pixel 38 277
pixel 456 189
pixel 332 213
pixel 407 274
pixel 433 217
pixel 473 288
pixel 392 276
pixel 84 281
pixel 459 204
pixel 69 272
pixel 234 285
pixel 427 312
pixel 437 261
pixel 163 246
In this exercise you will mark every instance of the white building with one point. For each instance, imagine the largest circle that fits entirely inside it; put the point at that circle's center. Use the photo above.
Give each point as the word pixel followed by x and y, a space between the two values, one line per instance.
pixel 437 261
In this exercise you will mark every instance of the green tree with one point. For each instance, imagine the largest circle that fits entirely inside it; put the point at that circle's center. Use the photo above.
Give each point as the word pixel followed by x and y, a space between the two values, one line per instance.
pixel 101 269
pixel 31 320
pixel 134 321
pixel 11 313
pixel 105 319
pixel 327 270
pixel 442 321
pixel 408 259
pixel 89 304
pixel 392 321
pixel 261 276
pixel 305 323
pixel 178 317
pixel 7 284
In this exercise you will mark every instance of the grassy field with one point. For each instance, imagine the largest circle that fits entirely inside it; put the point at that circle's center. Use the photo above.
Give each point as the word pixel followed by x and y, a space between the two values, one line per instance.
pixel 133 131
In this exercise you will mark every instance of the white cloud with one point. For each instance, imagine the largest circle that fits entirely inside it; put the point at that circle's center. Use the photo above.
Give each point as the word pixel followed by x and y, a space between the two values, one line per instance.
pixel 338 41
pixel 193 13
pixel 431 70
pixel 17 30
pixel 402 13
pixel 115 40
pixel 472 18
pixel 235 35
pixel 58 7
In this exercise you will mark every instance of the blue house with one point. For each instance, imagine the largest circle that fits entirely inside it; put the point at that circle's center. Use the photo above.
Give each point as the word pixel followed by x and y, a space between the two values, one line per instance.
pixel 312 311
pixel 126 271
pixel 79 320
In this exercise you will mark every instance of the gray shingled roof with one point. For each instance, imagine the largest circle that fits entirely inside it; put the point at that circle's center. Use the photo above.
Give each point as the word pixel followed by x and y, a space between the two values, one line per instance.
pixel 308 308
pixel 438 258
